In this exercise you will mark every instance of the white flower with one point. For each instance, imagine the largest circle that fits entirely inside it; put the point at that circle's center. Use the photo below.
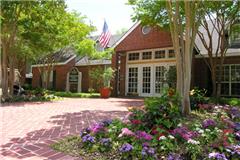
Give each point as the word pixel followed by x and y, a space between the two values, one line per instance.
pixel 193 141
pixel 179 125
pixel 171 137
pixel 207 130
pixel 200 131
pixel 162 138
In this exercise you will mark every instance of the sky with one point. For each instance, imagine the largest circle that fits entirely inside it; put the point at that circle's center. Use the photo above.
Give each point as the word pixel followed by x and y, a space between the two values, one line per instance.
pixel 116 13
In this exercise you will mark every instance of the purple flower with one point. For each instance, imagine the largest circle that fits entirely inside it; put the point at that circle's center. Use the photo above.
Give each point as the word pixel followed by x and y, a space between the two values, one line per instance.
pixel 88 138
pixel 234 112
pixel 148 151
pixel 208 123
pixel 107 122
pixel 144 135
pixel 145 144
pixel 151 151
pixel 237 134
pixel 234 150
pixel 126 147
pixel 216 155
pixel 237 126
pixel 97 127
pixel 185 133
pixel 84 132
pixel 174 156
pixel 105 141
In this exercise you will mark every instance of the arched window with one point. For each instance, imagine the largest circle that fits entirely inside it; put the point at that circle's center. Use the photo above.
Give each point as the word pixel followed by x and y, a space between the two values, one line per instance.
pixel 73 76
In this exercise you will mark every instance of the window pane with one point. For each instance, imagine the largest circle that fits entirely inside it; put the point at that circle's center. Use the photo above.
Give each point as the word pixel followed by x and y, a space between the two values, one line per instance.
pixel 235 89
pixel 146 81
pixel 132 80
pixel 171 53
pixel 147 55
pixel 235 73
pixel 159 79
pixel 159 54
pixel 133 56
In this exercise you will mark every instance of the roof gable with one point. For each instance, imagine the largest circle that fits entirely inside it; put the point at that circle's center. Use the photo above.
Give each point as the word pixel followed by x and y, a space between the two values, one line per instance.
pixel 134 39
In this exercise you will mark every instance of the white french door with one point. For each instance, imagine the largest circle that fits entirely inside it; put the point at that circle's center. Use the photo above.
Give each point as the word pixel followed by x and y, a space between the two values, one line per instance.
pixel 146 80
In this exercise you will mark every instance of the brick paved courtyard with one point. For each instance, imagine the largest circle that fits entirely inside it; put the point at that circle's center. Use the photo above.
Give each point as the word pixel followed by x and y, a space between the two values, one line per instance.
pixel 27 129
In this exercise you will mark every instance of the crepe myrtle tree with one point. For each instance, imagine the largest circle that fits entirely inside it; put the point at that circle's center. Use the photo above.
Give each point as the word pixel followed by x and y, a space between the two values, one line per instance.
pixel 218 24
pixel 182 19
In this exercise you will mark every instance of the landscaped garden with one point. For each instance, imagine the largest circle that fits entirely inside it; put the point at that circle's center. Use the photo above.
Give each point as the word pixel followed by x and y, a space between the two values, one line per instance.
pixel 159 131
pixel 39 95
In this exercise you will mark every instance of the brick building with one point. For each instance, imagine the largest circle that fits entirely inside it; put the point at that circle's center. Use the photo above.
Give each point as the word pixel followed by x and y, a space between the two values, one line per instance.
pixel 71 72
pixel 144 53
pixel 141 58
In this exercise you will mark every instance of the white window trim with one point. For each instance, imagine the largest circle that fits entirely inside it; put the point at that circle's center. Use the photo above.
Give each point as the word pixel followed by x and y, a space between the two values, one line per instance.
pixel 153 55
pixel 140 66
pixel 230 80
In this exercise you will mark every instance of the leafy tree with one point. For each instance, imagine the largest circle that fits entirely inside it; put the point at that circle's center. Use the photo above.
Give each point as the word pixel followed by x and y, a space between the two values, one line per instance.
pixel 182 17
pixel 33 29
pixel 218 24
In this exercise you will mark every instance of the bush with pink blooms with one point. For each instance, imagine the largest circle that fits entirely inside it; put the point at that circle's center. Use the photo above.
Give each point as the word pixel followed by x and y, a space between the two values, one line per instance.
pixel 160 132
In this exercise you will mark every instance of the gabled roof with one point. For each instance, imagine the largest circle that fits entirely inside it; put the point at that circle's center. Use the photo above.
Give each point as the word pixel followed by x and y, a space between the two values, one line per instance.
pixel 112 41
pixel 85 61
pixel 60 57
pixel 126 34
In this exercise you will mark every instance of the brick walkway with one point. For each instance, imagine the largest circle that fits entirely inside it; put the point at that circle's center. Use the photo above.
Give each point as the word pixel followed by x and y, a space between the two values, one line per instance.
pixel 27 129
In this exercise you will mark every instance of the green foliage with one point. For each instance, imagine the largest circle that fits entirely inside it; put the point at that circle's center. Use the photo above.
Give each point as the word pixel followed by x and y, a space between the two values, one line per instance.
pixel 102 76
pixel 171 77
pixel 223 100
pixel 42 27
pixel 76 95
pixel 214 137
pixel 36 95
pixel 197 96
pixel 163 111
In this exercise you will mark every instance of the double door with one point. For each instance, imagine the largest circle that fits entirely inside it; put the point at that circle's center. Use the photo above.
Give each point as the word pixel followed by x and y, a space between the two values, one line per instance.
pixel 146 80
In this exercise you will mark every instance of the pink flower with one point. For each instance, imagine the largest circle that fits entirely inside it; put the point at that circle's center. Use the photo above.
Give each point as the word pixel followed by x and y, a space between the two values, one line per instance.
pixel 126 132
pixel 143 135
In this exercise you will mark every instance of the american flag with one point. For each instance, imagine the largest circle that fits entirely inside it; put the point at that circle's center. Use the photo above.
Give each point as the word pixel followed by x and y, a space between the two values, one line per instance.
pixel 105 36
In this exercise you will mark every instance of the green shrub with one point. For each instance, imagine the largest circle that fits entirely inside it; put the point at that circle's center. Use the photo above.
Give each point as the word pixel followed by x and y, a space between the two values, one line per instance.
pixel 77 95
pixel 164 110
pixel 197 96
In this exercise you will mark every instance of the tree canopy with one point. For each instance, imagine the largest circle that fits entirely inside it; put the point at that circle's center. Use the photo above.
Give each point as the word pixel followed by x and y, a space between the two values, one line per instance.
pixel 32 29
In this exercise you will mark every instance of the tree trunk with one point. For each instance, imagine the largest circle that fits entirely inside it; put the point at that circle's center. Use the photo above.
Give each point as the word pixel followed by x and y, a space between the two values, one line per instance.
pixel 4 76
pixel 11 76
pixel 22 69
pixel 214 83
pixel 218 92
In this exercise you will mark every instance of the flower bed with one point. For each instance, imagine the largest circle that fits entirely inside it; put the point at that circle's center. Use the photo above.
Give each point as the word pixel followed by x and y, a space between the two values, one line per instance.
pixel 160 132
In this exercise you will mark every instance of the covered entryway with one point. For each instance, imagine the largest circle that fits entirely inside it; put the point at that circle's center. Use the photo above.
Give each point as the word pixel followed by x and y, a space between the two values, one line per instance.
pixel 74 80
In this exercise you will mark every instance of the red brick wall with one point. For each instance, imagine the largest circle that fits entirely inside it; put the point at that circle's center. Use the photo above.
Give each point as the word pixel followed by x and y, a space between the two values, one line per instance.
pixel 86 80
pixel 136 40
pixel 202 75
pixel 61 75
